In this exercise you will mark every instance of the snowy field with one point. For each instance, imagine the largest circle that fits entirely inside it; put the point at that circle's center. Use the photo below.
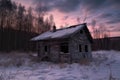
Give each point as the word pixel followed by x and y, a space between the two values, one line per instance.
pixel 105 66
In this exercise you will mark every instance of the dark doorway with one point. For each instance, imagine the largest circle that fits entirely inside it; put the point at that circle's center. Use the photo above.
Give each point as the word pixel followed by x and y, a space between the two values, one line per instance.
pixel 64 47
pixel 46 48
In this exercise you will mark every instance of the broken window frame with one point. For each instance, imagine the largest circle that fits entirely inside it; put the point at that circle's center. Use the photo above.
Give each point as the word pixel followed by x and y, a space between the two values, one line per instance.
pixel 86 48
pixel 80 47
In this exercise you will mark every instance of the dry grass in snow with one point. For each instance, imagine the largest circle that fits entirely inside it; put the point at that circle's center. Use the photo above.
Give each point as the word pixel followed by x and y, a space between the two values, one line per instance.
pixel 22 66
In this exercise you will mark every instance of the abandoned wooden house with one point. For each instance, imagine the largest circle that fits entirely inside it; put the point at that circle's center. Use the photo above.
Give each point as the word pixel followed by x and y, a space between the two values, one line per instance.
pixel 70 44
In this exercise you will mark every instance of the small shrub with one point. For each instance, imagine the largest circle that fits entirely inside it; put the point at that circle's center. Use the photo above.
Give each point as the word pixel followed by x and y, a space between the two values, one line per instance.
pixel 84 62
pixel 62 65
pixel 17 62
pixel 35 59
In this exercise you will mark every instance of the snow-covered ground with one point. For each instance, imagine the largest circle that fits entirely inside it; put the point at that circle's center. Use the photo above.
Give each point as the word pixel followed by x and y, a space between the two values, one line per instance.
pixel 105 66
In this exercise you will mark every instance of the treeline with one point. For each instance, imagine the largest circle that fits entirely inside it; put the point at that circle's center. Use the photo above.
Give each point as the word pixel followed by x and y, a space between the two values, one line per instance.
pixel 16 40
pixel 108 43
pixel 18 25
pixel 17 17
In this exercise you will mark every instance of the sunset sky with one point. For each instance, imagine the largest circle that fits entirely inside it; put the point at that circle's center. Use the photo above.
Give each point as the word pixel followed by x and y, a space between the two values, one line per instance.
pixel 105 13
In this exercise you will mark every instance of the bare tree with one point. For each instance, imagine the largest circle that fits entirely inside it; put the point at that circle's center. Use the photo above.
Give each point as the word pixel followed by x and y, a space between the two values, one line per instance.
pixel 29 20
pixel 78 20
pixel 20 16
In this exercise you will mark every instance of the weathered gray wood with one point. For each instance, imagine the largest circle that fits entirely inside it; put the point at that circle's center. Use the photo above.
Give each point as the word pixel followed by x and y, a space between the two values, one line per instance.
pixel 74 55
pixel 74 42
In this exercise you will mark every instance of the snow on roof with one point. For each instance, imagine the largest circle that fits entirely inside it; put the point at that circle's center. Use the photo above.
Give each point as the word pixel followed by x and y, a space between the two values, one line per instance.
pixel 58 33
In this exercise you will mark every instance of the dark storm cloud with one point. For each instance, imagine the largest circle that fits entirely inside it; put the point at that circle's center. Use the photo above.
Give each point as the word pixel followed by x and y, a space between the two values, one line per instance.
pixel 115 3
pixel 61 5
pixel 68 5
pixel 107 9
pixel 92 5
pixel 44 5
pixel 73 5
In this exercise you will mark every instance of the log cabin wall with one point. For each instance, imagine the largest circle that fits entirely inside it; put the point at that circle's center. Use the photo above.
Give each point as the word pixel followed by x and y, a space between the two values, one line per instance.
pixel 79 47
pixel 53 50
pixel 77 40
